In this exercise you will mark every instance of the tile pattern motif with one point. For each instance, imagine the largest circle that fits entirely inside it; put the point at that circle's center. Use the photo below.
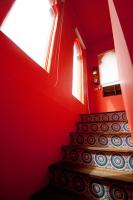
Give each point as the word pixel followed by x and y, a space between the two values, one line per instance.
pixel 102 127
pixel 104 117
pixel 92 188
pixel 107 159
pixel 122 140
pixel 97 130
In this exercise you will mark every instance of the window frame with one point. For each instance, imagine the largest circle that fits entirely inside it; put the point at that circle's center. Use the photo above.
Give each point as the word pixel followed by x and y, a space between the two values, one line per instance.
pixel 52 37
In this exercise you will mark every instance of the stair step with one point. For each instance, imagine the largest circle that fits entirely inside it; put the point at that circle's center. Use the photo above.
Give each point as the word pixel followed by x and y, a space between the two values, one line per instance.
pixel 104 117
pixel 119 139
pixel 102 127
pixel 97 165
pixel 104 149
pixel 111 158
pixel 103 133
pixel 95 172
pixel 93 183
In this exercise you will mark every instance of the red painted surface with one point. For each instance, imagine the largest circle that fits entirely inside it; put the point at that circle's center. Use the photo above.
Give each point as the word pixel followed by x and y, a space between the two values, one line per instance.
pixel 125 65
pixel 125 13
pixel 37 108
pixel 97 102
pixel 4 7
pixel 94 20
pixel 95 27
pixel 37 113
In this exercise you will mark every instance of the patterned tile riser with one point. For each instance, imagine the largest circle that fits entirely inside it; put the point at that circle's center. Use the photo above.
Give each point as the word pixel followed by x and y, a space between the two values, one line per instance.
pixel 91 188
pixel 109 160
pixel 102 140
pixel 103 127
pixel 119 116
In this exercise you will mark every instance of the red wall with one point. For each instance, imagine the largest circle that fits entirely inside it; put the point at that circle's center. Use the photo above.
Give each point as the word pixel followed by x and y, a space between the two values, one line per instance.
pixel 125 65
pixel 97 102
pixel 125 13
pixel 36 115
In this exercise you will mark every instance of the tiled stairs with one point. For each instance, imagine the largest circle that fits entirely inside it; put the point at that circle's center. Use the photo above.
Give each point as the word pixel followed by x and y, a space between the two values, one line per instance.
pixel 98 163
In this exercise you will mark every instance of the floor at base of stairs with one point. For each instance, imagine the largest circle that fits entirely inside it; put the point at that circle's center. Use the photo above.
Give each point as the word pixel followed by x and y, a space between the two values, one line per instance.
pixel 50 193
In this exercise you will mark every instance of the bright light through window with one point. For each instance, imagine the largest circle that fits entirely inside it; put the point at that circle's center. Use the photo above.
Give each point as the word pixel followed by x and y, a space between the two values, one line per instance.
pixel 29 24
pixel 108 69
pixel 77 86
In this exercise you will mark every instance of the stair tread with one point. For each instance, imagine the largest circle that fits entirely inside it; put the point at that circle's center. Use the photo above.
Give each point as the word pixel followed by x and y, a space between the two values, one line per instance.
pixel 97 113
pixel 96 172
pixel 116 149
pixel 100 122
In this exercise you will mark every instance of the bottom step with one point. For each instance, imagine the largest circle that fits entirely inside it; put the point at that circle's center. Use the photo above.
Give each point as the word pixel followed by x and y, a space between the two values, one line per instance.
pixel 53 193
pixel 90 187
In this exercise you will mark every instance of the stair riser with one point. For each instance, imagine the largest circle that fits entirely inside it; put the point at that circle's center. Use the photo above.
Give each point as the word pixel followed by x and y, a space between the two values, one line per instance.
pixel 90 188
pixel 104 117
pixel 103 127
pixel 102 140
pixel 110 160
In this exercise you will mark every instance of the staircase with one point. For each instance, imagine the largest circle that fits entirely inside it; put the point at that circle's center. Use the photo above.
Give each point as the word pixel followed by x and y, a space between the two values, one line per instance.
pixel 98 163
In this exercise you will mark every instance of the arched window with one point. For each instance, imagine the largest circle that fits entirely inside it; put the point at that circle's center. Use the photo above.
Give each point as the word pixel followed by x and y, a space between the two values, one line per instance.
pixel 78 83
pixel 31 25
pixel 108 69
pixel 109 77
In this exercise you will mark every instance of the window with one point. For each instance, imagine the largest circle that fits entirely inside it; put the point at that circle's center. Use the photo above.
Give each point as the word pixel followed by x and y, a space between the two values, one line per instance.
pixel 111 90
pixel 109 77
pixel 77 84
pixel 108 69
pixel 31 25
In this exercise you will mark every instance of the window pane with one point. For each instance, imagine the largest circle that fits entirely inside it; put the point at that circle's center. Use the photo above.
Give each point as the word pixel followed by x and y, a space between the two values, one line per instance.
pixel 77 87
pixel 108 69
pixel 29 24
